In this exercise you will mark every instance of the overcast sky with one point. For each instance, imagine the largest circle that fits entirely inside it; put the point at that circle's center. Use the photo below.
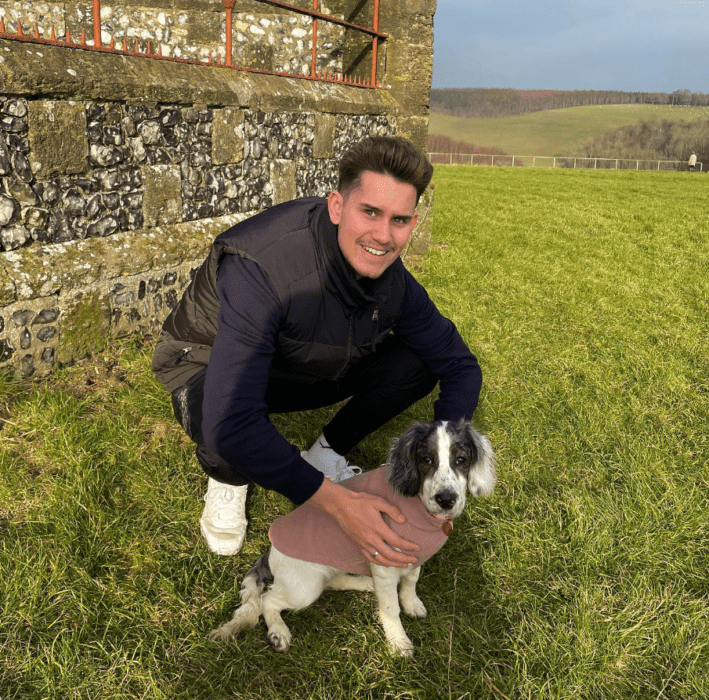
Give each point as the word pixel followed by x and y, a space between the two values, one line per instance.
pixel 633 45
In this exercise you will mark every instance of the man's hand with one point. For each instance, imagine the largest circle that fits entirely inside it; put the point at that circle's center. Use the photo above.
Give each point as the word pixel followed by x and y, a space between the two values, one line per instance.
pixel 359 514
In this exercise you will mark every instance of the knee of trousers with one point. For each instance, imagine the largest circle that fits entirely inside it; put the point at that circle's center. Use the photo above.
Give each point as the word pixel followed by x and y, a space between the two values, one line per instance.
pixel 217 468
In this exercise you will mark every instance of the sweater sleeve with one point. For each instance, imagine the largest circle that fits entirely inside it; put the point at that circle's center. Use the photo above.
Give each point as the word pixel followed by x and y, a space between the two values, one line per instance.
pixel 235 422
pixel 436 340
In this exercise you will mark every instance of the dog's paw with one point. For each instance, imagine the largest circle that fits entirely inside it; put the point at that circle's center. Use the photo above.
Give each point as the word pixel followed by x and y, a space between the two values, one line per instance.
pixel 415 609
pixel 402 647
pixel 220 634
pixel 279 641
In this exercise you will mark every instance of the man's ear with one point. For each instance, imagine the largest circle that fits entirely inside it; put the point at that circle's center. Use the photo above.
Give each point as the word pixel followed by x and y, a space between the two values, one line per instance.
pixel 335 201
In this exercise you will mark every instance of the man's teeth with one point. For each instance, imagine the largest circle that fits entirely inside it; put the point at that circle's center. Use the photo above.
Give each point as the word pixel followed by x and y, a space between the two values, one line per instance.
pixel 374 251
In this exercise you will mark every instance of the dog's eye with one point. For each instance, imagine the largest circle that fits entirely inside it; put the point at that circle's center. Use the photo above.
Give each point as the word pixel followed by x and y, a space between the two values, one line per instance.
pixel 426 459
pixel 460 460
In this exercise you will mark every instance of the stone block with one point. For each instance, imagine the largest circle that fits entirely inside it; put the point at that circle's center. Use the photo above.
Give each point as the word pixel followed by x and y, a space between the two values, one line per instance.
pixel 228 136
pixel 57 135
pixel 420 240
pixel 162 203
pixel 205 27
pixel 324 136
pixel 85 324
pixel 415 129
pixel 283 180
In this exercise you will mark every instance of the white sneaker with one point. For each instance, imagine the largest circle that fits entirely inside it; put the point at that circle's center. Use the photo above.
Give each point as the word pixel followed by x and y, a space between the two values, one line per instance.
pixel 327 461
pixel 223 522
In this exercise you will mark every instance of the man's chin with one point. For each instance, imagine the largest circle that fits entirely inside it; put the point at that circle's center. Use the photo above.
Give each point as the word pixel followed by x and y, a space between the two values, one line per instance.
pixel 371 273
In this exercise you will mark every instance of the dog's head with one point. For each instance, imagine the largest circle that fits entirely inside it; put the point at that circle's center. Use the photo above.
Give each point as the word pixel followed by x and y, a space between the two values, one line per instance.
pixel 437 461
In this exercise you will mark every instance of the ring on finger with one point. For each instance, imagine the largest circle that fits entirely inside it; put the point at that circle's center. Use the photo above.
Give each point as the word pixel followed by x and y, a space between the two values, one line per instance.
pixel 375 554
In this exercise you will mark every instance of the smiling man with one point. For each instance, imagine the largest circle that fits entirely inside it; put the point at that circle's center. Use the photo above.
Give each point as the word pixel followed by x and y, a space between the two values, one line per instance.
pixel 305 305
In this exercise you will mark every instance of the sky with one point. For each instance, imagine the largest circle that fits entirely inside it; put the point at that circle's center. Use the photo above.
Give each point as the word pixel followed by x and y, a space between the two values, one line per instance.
pixel 629 45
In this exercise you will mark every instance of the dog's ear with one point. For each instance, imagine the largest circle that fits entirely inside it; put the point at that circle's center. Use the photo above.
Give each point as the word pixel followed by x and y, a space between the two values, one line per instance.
pixel 404 477
pixel 481 477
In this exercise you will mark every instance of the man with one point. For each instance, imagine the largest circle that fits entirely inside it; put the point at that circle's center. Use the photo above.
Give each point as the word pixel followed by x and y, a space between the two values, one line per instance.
pixel 303 306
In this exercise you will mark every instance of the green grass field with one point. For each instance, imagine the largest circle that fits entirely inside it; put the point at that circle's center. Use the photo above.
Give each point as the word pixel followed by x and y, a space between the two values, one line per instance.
pixel 555 132
pixel 586 575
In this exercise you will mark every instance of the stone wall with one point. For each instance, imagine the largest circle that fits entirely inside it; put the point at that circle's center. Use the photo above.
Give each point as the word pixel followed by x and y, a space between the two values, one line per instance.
pixel 263 36
pixel 117 172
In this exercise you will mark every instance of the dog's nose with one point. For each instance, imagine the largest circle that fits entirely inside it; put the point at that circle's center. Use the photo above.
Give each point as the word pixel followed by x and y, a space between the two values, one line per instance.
pixel 446 499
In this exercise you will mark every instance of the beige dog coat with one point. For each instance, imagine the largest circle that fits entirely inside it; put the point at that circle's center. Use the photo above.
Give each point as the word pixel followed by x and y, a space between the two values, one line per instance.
pixel 311 534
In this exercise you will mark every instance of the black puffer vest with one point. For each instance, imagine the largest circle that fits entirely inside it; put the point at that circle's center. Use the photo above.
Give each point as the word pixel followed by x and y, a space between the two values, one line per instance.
pixel 329 319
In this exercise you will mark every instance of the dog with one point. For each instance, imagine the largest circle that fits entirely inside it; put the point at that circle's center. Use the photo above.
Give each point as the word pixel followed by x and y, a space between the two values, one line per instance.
pixel 428 471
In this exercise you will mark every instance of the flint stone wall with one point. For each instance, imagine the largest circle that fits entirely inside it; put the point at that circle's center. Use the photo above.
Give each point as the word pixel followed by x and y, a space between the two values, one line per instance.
pixel 263 36
pixel 116 173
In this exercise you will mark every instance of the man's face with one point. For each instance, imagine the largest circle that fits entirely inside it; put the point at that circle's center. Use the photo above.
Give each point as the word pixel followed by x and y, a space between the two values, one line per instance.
pixel 374 219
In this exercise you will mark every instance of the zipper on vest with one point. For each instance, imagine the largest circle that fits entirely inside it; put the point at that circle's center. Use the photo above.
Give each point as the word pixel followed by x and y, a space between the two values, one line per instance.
pixel 350 343
pixel 375 326
pixel 181 355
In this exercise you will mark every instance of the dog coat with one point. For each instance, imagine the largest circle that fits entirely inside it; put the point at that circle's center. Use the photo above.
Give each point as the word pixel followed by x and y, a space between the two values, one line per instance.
pixel 311 534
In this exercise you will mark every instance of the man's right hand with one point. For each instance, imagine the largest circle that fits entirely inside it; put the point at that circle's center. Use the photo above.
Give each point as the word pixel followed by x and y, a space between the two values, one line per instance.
pixel 359 514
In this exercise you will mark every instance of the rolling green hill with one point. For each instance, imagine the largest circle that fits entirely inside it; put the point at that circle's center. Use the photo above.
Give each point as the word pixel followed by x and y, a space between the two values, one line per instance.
pixel 556 132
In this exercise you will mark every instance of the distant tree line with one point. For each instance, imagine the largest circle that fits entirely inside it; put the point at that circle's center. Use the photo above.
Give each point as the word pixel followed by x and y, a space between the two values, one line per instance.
pixel 445 144
pixel 656 140
pixel 506 102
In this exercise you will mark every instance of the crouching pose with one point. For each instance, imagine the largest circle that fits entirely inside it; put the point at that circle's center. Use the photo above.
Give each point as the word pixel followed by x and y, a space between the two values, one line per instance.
pixel 304 305
pixel 429 469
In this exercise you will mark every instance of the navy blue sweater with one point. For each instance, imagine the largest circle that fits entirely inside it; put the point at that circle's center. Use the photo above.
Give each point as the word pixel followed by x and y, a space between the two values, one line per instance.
pixel 236 424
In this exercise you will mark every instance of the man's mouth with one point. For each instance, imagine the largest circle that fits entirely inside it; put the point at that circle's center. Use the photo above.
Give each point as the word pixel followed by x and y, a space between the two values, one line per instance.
pixel 374 251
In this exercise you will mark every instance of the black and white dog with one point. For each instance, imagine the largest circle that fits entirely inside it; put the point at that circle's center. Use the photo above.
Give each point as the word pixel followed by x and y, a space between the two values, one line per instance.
pixel 430 466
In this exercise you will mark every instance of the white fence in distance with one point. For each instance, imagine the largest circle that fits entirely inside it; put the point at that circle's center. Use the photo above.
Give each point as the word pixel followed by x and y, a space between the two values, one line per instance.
pixel 558 162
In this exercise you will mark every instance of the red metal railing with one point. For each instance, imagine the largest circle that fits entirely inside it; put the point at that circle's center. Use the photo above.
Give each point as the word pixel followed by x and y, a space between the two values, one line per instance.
pixel 315 74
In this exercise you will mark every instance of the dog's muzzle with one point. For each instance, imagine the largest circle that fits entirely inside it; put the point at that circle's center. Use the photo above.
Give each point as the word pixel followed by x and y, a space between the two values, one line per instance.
pixel 441 516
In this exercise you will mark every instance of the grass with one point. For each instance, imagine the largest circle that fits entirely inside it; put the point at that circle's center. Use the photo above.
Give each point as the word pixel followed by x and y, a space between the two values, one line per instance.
pixel 584 295
pixel 555 132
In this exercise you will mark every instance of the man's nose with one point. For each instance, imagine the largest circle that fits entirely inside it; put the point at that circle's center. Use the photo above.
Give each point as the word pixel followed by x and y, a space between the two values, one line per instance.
pixel 381 232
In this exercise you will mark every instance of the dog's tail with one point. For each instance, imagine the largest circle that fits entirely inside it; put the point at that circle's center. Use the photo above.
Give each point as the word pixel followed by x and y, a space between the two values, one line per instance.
pixel 248 613
pixel 252 587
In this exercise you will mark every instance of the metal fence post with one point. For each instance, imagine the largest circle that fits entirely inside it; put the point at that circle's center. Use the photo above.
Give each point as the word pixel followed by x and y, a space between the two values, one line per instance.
pixel 375 42
pixel 228 6
pixel 97 22
pixel 314 53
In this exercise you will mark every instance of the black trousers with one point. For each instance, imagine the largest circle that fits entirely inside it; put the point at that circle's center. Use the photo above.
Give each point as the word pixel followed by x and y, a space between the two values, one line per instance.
pixel 379 388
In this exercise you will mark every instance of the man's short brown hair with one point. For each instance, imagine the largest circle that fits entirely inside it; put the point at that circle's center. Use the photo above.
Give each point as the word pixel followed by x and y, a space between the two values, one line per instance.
pixel 388 155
